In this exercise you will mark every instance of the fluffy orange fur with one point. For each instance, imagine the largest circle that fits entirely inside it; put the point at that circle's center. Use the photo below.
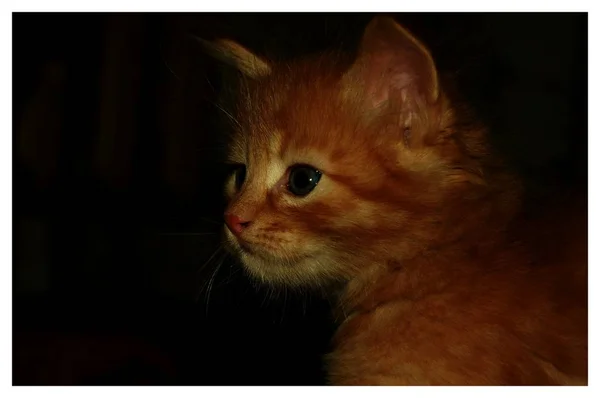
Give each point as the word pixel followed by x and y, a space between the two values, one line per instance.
pixel 443 282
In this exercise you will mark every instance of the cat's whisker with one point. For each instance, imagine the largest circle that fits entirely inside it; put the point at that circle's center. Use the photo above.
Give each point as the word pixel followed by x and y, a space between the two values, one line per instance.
pixel 208 285
pixel 229 115
pixel 217 251
pixel 212 149
pixel 232 270
pixel 284 304
pixel 304 298
pixel 209 83
pixel 162 56
pixel 229 278
pixel 266 295
pixel 208 220
pixel 211 282
pixel 189 234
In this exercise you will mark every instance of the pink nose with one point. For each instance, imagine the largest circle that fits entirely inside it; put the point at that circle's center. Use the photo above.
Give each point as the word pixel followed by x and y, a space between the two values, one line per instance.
pixel 235 224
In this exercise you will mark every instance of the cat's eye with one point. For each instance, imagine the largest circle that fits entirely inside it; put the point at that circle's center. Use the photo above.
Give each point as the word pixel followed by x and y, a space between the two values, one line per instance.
pixel 303 179
pixel 239 175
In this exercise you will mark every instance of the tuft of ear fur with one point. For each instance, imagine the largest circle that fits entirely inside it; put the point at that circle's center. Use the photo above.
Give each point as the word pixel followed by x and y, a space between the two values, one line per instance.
pixel 393 65
pixel 236 55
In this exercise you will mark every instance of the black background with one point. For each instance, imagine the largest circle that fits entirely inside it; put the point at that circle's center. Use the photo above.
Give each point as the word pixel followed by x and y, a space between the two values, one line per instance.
pixel 117 183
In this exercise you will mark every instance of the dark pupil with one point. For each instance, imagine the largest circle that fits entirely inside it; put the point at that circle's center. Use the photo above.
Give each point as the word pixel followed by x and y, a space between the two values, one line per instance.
pixel 303 180
pixel 240 176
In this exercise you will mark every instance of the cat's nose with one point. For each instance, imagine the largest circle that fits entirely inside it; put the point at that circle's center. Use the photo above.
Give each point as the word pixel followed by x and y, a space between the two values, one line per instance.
pixel 235 224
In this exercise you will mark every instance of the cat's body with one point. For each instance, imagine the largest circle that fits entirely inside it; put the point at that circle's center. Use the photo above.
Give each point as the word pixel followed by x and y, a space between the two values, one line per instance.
pixel 515 314
pixel 374 178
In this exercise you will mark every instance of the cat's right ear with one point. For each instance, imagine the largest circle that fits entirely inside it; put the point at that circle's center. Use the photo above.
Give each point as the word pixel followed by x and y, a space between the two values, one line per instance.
pixel 236 55
pixel 392 64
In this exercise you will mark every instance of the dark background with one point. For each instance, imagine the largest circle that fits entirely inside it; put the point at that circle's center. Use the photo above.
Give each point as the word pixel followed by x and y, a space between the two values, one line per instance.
pixel 117 183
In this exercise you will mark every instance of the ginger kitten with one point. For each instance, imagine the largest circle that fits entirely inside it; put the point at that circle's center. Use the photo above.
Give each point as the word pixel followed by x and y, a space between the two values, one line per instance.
pixel 372 181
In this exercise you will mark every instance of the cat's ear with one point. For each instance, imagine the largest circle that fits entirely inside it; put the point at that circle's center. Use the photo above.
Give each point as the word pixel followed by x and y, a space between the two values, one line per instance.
pixel 393 64
pixel 237 56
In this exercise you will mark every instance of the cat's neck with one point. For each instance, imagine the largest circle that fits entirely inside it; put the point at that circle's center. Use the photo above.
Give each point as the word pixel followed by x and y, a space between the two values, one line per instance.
pixel 452 255
pixel 412 279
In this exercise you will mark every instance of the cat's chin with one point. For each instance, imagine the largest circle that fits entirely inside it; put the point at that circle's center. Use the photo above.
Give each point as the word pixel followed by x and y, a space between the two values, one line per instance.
pixel 269 266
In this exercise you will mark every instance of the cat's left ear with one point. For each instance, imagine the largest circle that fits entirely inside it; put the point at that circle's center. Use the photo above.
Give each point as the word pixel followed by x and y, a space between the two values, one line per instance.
pixel 393 64
pixel 238 56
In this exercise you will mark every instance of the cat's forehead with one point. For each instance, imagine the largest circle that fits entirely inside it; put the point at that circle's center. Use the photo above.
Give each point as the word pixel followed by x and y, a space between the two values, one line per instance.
pixel 295 114
pixel 309 80
pixel 267 146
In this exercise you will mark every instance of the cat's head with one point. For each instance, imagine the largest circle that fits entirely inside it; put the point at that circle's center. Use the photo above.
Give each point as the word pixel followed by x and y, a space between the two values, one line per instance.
pixel 339 167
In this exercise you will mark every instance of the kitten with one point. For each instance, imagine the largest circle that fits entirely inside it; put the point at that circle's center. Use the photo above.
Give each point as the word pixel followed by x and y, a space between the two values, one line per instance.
pixel 371 177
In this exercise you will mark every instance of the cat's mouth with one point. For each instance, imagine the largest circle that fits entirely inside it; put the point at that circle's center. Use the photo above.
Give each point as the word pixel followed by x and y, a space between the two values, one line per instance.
pixel 266 253
pixel 245 247
pixel 256 250
pixel 250 249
